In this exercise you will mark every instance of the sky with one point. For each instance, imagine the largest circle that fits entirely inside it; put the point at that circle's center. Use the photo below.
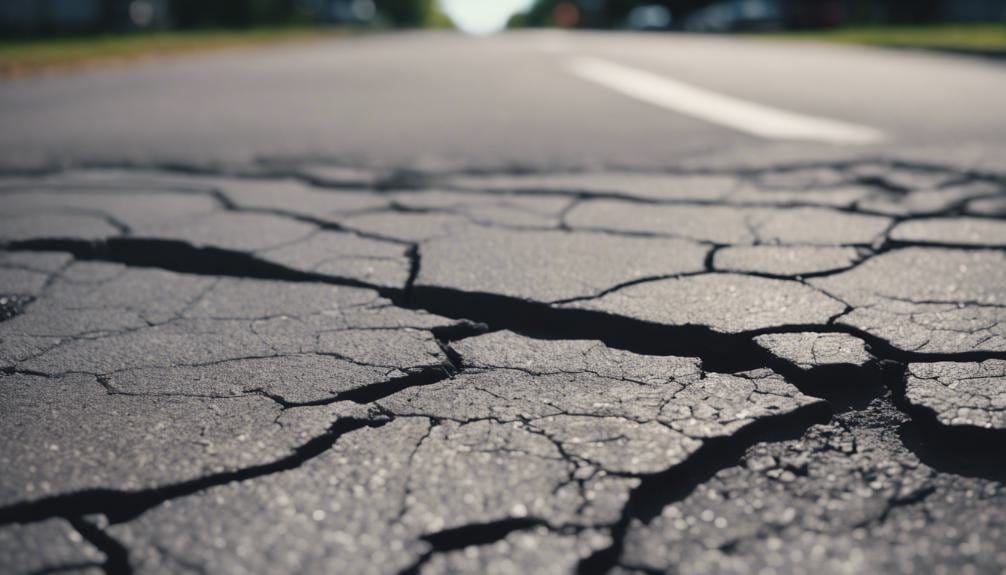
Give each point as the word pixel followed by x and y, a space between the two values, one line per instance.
pixel 482 16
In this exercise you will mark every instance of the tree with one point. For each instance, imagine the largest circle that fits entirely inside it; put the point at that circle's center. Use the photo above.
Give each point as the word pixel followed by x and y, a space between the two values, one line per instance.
pixel 406 13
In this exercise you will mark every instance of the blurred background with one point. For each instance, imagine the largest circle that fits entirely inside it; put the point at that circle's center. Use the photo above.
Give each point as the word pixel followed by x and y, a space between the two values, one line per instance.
pixel 41 34
pixel 41 17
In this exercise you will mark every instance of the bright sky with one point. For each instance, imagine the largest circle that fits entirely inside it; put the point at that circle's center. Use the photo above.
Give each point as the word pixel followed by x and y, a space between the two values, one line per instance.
pixel 482 16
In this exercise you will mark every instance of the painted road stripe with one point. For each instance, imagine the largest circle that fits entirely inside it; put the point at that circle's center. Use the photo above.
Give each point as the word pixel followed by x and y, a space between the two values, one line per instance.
pixel 741 115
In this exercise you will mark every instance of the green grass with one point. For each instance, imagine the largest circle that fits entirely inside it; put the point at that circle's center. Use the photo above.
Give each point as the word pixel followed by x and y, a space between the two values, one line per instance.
pixel 21 57
pixel 958 37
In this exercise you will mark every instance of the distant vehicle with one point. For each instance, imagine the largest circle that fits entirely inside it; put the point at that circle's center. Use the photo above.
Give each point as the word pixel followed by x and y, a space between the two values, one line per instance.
pixel 736 15
pixel 348 11
pixel 648 17
pixel 740 15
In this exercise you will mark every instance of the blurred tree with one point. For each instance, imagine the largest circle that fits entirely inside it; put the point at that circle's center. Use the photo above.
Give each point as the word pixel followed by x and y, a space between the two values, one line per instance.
pixel 239 13
pixel 406 13
pixel 518 20
pixel 436 18
pixel 540 14
pixel 46 16
pixel 231 13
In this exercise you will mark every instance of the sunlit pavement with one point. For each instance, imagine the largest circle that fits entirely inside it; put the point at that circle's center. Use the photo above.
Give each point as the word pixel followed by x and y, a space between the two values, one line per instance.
pixel 536 303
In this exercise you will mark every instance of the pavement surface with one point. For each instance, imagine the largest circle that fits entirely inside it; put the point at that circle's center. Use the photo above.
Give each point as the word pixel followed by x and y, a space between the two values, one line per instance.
pixel 429 304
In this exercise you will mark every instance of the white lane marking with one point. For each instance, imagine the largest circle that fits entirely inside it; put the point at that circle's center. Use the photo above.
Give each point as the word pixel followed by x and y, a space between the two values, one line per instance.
pixel 735 113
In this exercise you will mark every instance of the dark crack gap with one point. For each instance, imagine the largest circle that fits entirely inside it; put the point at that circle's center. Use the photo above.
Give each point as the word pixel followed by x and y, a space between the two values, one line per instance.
pixel 14 304
pixel 363 395
pixel 845 387
pixel 892 245
pixel 457 538
pixel 181 257
pixel 376 391
pixel 119 506
pixel 655 492
pixel 116 554
pixel 880 347
pixel 734 351
pixel 881 412
pixel 415 263
pixel 960 450
pixel 965 450
pixel 722 352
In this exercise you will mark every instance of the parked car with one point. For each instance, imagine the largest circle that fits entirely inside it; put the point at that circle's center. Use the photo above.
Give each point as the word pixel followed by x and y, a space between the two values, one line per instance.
pixel 648 17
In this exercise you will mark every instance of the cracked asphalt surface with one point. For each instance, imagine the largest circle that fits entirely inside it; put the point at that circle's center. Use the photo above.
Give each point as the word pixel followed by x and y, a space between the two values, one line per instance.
pixel 754 361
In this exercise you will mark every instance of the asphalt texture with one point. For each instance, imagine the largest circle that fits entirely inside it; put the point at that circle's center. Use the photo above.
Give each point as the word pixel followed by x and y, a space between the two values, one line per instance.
pixel 428 304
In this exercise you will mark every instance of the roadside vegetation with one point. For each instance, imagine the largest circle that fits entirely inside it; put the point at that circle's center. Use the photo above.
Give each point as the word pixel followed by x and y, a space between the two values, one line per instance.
pixel 174 27
pixel 975 38
pixel 20 57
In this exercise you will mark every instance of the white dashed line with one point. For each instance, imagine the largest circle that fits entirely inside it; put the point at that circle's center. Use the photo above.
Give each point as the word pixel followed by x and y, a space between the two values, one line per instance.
pixel 749 117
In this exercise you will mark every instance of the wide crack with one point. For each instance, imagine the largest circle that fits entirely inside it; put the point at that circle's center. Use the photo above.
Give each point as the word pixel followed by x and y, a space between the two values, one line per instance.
pixel 659 490
pixel 116 554
pixel 960 451
pixel 119 506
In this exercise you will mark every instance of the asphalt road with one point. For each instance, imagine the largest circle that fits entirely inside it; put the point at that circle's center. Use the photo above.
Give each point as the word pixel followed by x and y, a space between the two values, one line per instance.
pixel 538 303
pixel 450 99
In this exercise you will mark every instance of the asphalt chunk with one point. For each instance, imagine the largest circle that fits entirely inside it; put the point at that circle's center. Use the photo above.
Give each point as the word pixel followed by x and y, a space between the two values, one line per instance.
pixel 629 184
pixel 345 255
pixel 344 503
pixel 732 225
pixel 69 435
pixel 293 197
pixel 132 208
pixel 926 300
pixel 785 261
pixel 969 394
pixel 502 209
pixel 989 206
pixel 726 303
pixel 231 231
pixel 714 224
pixel 953 231
pixel 846 497
pixel 809 350
pixel 51 546
pixel 507 350
pixel 629 413
pixel 215 338
pixel 55 225
pixel 409 226
pixel 817 226
pixel 801 178
pixel 146 227
pixel 923 202
pixel 28 273
pixel 546 266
